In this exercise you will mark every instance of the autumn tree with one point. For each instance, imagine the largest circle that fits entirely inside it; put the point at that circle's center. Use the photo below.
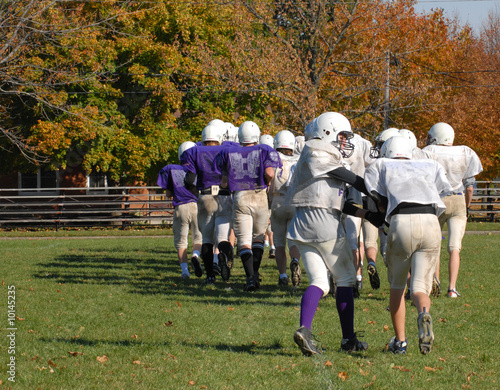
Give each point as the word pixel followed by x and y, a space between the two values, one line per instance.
pixel 86 83
pixel 473 108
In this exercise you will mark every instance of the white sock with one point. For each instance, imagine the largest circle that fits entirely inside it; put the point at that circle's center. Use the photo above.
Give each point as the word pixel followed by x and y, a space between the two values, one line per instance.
pixel 196 253
pixel 283 276
pixel 216 258
pixel 266 243
pixel 184 268
pixel 359 277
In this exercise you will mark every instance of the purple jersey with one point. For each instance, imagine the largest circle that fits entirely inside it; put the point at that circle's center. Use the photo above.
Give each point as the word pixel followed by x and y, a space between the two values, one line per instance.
pixel 244 166
pixel 171 178
pixel 199 160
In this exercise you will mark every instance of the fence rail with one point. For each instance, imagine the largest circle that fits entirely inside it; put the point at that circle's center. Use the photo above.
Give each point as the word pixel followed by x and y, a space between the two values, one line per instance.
pixel 485 201
pixel 128 206
pixel 83 206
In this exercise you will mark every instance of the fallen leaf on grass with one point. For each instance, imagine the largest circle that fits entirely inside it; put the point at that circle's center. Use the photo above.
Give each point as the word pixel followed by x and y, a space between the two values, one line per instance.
pixel 75 353
pixel 230 308
pixel 102 359
pixel 134 336
pixel 191 383
pixel 137 362
pixel 401 368
pixel 168 323
pixel 343 375
pixel 178 304
pixel 429 368
pixel 328 363
pixel 50 363
pixel 363 372
pixel 19 319
pixel 469 376
pixel 372 322
pixel 442 319
pixel 371 383
pixel 442 359
pixel 386 327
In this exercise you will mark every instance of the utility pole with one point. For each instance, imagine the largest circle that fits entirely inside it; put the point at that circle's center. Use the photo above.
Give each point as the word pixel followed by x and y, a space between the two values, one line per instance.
pixel 387 94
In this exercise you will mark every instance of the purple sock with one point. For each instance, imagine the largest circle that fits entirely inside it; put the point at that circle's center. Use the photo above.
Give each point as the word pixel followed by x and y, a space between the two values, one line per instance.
pixel 309 304
pixel 345 308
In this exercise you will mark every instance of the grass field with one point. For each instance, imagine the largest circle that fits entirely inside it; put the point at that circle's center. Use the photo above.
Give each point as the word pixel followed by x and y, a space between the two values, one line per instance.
pixel 113 313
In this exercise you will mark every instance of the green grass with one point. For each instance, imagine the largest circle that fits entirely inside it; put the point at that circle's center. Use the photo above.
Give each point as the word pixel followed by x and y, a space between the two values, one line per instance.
pixel 113 313
pixel 148 231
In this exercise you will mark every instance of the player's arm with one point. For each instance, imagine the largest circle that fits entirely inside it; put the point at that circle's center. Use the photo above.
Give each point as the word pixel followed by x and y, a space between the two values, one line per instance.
pixel 349 177
pixel 376 219
pixel 268 175
pixel 189 182
pixel 469 189
pixel 469 192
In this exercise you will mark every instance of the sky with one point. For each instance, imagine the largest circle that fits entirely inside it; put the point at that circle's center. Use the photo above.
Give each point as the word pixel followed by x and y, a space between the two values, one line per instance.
pixel 473 11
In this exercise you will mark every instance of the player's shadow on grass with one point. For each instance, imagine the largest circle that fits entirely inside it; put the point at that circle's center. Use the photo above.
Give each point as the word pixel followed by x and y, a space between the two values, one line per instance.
pixel 251 349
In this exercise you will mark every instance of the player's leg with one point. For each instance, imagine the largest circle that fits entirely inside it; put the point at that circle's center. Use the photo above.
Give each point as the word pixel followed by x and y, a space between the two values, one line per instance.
pixel 242 225
pixel 223 227
pixel 352 227
pixel 196 239
pixel 207 207
pixel 370 236
pixel 279 227
pixel 424 258
pixel 398 252
pixel 456 230
pixel 318 287
pixel 180 228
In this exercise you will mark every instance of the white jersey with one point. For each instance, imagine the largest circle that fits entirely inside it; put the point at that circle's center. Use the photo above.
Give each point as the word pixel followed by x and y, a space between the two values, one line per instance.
pixel 419 154
pixel 360 158
pixel 311 186
pixel 410 181
pixel 460 162
pixel 282 175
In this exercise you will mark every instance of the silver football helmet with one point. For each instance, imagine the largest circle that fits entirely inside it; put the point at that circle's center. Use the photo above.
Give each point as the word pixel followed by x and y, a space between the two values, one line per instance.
pixel 441 134
pixel 334 128
pixel 248 133
pixel 380 139
pixel 396 147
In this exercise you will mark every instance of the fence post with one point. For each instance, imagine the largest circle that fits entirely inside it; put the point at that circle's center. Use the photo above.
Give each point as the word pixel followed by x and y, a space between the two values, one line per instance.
pixel 126 206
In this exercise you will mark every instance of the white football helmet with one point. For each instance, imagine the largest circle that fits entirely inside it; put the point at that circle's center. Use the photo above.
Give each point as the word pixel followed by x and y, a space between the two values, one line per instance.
pixel 329 126
pixel 185 146
pixel 213 132
pixel 284 140
pixel 410 136
pixel 300 141
pixel 380 139
pixel 441 134
pixel 248 133
pixel 267 139
pixel 396 147
pixel 231 132
pixel 217 122
pixel 309 129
